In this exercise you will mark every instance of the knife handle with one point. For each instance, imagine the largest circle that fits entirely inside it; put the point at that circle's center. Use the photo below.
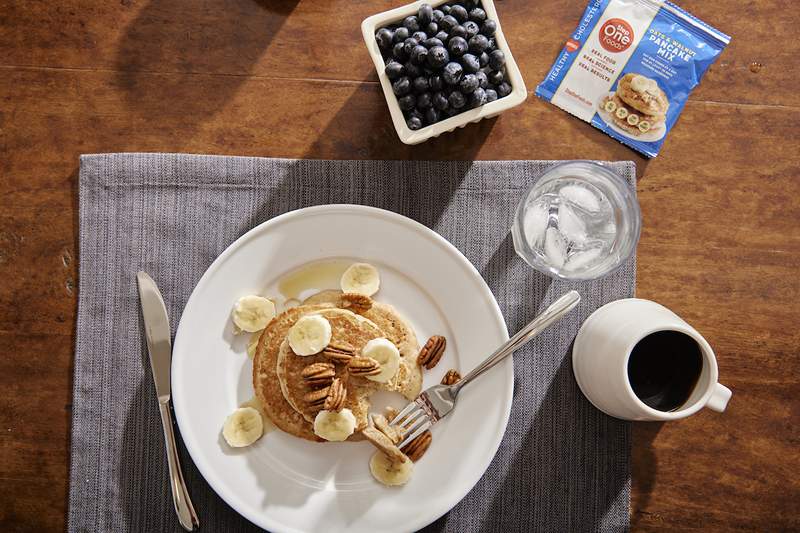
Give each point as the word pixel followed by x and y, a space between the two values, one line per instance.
pixel 180 496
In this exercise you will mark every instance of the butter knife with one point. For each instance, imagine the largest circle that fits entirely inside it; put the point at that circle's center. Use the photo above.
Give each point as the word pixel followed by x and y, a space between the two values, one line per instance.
pixel 159 345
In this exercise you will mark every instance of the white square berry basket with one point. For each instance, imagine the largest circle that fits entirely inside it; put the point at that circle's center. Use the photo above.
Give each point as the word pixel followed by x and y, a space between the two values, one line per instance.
pixel 372 24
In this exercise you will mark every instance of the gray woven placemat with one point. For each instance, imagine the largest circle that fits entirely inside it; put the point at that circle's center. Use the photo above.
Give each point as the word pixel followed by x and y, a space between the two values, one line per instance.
pixel 562 466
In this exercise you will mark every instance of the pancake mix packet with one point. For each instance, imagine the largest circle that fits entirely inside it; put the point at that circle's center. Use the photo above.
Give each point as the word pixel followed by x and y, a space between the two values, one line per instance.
pixel 629 67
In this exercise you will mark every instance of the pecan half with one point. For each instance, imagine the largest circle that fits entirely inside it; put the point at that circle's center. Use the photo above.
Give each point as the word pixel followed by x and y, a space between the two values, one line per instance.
pixel 382 425
pixel 451 378
pixel 339 353
pixel 318 374
pixel 357 303
pixel 316 398
pixel 432 351
pixel 417 447
pixel 336 396
pixel 363 366
pixel 383 443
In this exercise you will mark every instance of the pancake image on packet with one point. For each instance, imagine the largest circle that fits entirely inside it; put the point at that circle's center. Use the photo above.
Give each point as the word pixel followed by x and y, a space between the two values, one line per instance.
pixel 629 67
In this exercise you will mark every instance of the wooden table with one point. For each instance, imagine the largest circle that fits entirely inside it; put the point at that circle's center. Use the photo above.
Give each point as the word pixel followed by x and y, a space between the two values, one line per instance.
pixel 721 204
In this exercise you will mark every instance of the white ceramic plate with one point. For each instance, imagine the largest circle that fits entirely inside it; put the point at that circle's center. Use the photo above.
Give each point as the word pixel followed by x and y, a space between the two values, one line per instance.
pixel 649 137
pixel 283 483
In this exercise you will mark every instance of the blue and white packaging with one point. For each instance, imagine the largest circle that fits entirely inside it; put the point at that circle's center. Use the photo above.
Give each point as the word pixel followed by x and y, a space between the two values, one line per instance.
pixel 629 67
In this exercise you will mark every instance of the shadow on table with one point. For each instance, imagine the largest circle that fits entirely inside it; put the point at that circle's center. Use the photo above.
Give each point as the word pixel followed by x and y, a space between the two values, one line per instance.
pixel 644 434
pixel 170 41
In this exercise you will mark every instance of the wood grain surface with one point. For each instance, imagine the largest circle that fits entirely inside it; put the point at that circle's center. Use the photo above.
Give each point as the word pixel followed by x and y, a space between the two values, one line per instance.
pixel 720 245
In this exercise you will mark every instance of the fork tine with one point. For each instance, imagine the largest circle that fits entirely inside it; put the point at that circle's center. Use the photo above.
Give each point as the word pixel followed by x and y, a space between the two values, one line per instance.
pixel 405 412
pixel 420 421
pixel 416 433
pixel 411 419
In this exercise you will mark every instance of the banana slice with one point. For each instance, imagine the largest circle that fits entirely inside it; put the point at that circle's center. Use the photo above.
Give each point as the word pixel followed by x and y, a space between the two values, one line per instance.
pixel 309 335
pixel 640 83
pixel 252 343
pixel 335 425
pixel 389 473
pixel 621 113
pixel 252 313
pixel 610 106
pixel 361 278
pixel 633 119
pixel 385 353
pixel 644 126
pixel 243 427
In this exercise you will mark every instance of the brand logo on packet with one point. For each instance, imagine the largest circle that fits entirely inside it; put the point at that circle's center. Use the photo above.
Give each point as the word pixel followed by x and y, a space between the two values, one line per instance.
pixel 616 35
pixel 572 45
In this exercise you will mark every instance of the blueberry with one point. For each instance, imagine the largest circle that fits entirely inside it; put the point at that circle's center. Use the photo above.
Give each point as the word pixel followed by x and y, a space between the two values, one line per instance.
pixel 460 13
pixel 425 14
pixel 412 69
pixel 407 102
pixel 458 31
pixel 457 46
pixel 446 10
pixel 416 113
pixel 394 70
pixel 497 59
pixel 452 73
pixel 491 95
pixel 437 15
pixel 470 63
pixel 420 36
pixel 420 84
pixel 477 14
pixel 483 80
pixel 432 115
pixel 472 29
pixel 496 77
pixel 492 45
pixel 435 82
pixel 399 52
pixel 384 39
pixel 442 36
pixel 483 59
pixel 488 28
pixel 456 100
pixel 414 123
pixel 438 57
pixel 504 89
pixel 409 44
pixel 400 35
pixel 478 44
pixel 431 29
pixel 401 86
pixel 469 83
pixel 477 98
pixel 419 54
pixel 431 42
pixel 440 101
pixel 424 101
pixel 412 23
pixel 448 22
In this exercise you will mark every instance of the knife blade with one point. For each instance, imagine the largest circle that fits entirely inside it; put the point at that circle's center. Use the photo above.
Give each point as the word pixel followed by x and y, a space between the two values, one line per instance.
pixel 156 325
pixel 159 346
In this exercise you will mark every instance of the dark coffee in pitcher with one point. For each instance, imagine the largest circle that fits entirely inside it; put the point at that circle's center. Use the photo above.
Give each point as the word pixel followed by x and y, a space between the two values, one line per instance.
pixel 663 369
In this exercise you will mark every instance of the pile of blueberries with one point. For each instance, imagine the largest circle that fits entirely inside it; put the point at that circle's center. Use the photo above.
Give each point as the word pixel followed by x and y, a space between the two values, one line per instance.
pixel 443 61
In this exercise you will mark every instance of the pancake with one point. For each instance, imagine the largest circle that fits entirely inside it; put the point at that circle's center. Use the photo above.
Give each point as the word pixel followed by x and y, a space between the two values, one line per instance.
pixel 649 99
pixel 656 122
pixel 265 378
pixel 347 328
pixel 408 380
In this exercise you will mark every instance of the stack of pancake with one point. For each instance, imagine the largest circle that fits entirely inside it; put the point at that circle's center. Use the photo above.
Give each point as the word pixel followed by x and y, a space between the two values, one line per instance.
pixel 638 106
pixel 277 379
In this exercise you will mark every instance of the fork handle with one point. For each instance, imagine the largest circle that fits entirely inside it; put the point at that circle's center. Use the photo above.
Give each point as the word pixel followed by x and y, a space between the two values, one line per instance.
pixel 554 312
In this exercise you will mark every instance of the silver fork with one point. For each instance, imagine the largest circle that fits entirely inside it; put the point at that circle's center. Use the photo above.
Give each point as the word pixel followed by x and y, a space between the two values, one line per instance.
pixel 434 403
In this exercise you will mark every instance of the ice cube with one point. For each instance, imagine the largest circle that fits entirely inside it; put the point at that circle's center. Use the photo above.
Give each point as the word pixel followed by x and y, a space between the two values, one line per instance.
pixel 581 197
pixel 555 248
pixel 583 259
pixel 535 224
pixel 571 225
